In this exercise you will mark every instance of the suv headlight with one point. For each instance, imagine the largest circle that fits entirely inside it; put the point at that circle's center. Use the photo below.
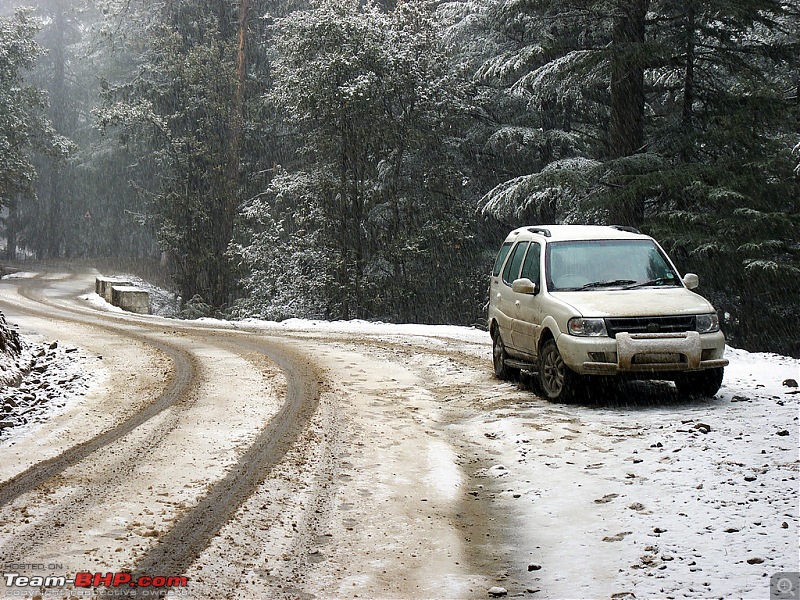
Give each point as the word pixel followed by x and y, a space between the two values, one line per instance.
pixel 707 323
pixel 587 327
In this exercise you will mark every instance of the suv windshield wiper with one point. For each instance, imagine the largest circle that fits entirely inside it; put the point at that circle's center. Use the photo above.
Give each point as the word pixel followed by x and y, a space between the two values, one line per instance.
pixel 609 283
pixel 658 281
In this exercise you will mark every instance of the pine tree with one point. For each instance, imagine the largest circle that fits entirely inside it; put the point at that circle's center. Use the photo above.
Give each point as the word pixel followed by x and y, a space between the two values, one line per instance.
pixel 354 222
pixel 727 199
pixel 24 126
pixel 560 58
pixel 185 112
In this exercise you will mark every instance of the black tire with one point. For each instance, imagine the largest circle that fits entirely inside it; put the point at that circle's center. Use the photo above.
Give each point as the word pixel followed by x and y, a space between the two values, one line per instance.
pixel 499 358
pixel 703 383
pixel 557 381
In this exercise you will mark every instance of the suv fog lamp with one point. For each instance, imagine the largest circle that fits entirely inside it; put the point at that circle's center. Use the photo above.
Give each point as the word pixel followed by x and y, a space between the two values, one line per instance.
pixel 707 323
pixel 587 327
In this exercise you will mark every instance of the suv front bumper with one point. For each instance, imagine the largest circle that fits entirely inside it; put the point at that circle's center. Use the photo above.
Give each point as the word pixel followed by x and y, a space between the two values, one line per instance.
pixel 643 352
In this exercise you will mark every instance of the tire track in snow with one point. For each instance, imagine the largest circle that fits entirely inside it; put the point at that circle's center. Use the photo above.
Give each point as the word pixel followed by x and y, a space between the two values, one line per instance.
pixel 183 378
pixel 193 532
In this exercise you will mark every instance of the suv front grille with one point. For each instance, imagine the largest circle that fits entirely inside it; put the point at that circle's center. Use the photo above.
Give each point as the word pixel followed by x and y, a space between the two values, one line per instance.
pixel 677 324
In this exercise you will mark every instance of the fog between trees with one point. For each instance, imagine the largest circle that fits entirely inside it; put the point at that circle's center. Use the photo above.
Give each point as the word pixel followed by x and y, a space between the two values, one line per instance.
pixel 339 160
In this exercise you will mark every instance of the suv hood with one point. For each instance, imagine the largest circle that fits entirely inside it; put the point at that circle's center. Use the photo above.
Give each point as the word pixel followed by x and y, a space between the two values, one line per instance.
pixel 645 302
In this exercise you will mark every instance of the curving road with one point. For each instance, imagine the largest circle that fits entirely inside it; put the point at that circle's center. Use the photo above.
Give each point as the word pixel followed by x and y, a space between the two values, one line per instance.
pixel 237 457
pixel 303 460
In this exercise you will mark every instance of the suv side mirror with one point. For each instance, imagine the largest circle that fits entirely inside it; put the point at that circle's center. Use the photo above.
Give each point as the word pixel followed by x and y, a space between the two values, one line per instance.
pixel 691 281
pixel 524 286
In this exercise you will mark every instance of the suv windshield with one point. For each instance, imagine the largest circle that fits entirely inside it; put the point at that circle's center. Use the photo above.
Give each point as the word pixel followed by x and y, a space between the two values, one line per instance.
pixel 597 264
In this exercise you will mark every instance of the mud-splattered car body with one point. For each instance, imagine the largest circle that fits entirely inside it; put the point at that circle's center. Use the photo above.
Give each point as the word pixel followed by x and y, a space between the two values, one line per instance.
pixel 568 300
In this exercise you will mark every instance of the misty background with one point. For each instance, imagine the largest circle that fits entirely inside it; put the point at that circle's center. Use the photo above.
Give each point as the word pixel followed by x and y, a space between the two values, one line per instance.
pixel 341 159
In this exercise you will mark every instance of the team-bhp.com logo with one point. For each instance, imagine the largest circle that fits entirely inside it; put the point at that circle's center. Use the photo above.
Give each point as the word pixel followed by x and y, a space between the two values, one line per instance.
pixel 85 579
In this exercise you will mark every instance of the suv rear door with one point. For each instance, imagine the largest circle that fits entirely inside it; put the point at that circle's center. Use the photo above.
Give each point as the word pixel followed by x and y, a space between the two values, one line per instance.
pixel 503 298
pixel 527 312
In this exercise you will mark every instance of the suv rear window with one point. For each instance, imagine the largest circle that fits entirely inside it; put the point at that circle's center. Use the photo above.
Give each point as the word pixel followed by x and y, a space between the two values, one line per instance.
pixel 501 257
pixel 511 271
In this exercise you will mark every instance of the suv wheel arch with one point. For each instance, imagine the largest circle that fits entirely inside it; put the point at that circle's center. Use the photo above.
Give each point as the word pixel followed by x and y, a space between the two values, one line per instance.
pixel 557 381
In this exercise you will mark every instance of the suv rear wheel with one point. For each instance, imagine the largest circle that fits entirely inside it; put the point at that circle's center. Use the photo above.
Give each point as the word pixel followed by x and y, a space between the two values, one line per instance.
pixel 499 358
pixel 557 380
pixel 702 383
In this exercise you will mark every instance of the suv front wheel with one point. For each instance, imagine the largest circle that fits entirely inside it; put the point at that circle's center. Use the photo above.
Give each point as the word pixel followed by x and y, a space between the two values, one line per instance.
pixel 557 381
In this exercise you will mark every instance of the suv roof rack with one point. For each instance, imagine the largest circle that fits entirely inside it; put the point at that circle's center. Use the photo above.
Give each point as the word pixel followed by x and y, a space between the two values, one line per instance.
pixel 541 230
pixel 625 228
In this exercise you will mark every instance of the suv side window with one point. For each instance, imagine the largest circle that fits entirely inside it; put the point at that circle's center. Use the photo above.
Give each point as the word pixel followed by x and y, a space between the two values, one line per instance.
pixel 498 264
pixel 530 268
pixel 511 271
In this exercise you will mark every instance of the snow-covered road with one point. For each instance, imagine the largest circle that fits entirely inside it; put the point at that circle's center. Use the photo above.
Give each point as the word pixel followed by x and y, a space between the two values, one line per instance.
pixel 415 474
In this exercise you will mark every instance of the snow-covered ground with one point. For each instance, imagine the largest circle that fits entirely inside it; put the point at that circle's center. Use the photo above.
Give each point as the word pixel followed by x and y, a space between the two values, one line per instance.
pixel 637 493
pixel 37 382
pixel 56 375
pixel 655 495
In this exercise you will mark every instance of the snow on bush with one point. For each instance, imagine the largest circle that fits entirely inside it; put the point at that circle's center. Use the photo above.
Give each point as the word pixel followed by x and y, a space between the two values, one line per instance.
pixel 10 354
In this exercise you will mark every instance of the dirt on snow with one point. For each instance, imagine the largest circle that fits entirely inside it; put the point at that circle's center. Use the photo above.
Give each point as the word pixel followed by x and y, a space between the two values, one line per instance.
pixel 336 460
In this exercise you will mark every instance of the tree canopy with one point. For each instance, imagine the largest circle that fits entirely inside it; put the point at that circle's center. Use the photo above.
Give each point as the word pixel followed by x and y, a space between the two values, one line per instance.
pixel 24 126
pixel 342 159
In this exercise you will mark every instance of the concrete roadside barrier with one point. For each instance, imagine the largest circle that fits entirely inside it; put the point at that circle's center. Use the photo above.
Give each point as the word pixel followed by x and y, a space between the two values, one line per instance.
pixel 131 298
pixel 103 285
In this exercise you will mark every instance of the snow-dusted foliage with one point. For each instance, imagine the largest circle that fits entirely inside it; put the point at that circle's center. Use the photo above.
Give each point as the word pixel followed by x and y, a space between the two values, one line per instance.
pixel 555 190
pixel 10 351
pixel 354 229
pixel 541 104
pixel 25 127
pixel 530 141
pixel 289 270
pixel 508 65
pixel 564 76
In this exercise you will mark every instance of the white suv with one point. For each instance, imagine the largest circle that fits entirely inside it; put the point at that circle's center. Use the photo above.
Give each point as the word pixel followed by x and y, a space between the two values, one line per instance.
pixel 567 301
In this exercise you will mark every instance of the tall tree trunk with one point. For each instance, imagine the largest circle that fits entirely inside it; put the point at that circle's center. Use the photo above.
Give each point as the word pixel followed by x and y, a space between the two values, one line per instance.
pixel 358 244
pixel 343 236
pixel 627 79
pixel 241 75
pixel 53 184
pixel 688 74
pixel 626 134
pixel 11 230
pixel 687 111
pixel 230 192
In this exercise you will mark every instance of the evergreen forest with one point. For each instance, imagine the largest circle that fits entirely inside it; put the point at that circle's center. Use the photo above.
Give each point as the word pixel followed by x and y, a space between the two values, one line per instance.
pixel 343 159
